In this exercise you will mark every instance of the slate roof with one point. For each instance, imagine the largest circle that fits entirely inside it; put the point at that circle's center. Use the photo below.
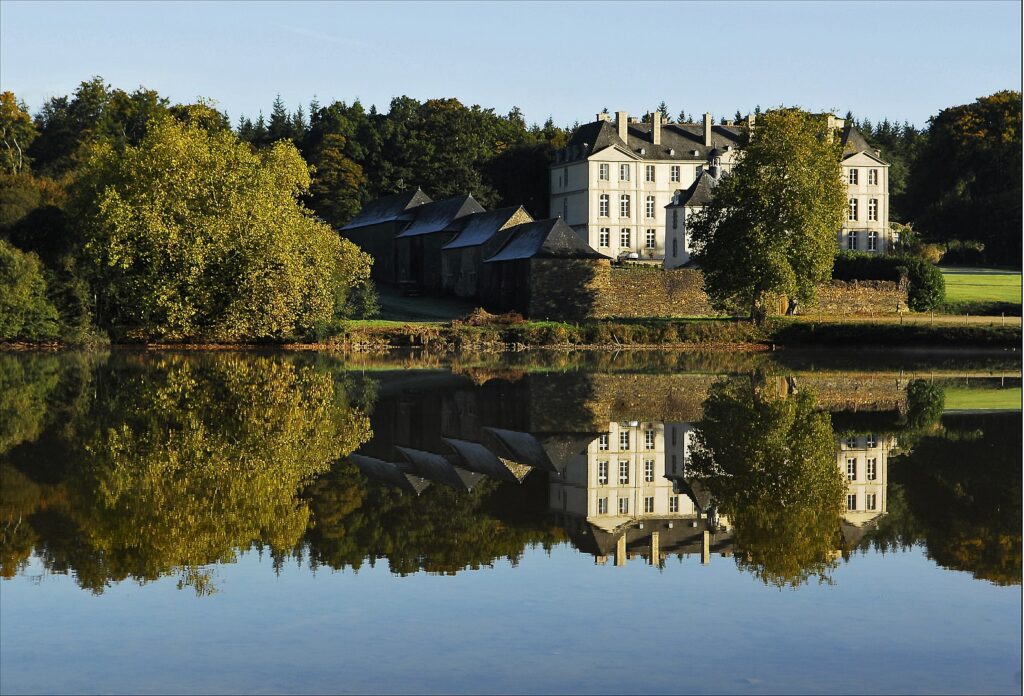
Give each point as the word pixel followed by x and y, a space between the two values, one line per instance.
pixel 543 239
pixel 439 469
pixel 699 193
pixel 389 472
pixel 520 447
pixel 441 216
pixel 680 138
pixel 476 457
pixel 480 227
pixel 398 206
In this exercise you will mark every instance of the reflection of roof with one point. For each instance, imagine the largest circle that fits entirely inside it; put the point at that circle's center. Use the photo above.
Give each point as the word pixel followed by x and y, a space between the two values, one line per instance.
pixel 441 216
pixel 561 447
pixel 519 447
pixel 678 140
pixel 480 227
pixel 693 489
pixel 388 472
pixel 552 239
pixel 686 535
pixel 438 469
pixel 475 457
pixel 398 206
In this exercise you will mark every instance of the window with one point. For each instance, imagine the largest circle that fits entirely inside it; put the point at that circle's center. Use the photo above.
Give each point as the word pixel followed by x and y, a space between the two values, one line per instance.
pixel 565 177
pixel 675 248
pixel 872 240
pixel 675 219
pixel 604 237
pixel 602 473
pixel 870 501
pixel 649 439
pixel 649 172
pixel 872 468
pixel 565 208
pixel 602 506
pixel 872 209
pixel 624 440
pixel 602 172
pixel 674 172
pixel 649 470
pixel 651 241
pixel 851 501
pixel 673 435
pixel 853 176
pixel 673 463
pixel 673 503
pixel 851 240
pixel 602 442
pixel 624 206
pixel 624 238
pixel 623 172
pixel 873 177
pixel 624 472
pixel 697 170
pixel 650 207
pixel 870 441
pixel 604 205
pixel 623 506
pixel 851 443
pixel 649 504
pixel 851 469
pixel 853 210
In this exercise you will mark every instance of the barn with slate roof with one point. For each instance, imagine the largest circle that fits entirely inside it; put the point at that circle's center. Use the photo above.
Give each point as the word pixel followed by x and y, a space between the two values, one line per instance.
pixel 374 229
pixel 419 244
pixel 462 257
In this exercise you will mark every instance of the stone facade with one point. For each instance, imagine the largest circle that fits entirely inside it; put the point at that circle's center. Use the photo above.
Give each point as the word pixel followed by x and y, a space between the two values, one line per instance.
pixel 566 288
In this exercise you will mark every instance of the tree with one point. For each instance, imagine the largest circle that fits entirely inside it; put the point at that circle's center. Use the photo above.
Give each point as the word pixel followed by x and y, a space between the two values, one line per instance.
pixel 770 229
pixel 17 132
pixel 25 310
pixel 194 235
pixel 769 461
pixel 663 110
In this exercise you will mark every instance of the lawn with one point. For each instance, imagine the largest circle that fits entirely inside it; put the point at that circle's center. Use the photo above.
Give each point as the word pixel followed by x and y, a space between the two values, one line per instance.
pixel 968 399
pixel 982 285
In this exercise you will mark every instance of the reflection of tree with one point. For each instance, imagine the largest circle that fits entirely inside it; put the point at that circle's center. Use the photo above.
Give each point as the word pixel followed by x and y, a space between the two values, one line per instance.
pixel 26 383
pixel 180 462
pixel 962 490
pixel 769 461
pixel 442 530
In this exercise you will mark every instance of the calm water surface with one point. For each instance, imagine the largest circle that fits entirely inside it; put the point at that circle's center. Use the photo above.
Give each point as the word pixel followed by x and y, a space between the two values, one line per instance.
pixel 239 522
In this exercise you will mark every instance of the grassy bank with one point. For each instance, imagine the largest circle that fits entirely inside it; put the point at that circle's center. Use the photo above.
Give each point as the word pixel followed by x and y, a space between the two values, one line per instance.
pixel 982 291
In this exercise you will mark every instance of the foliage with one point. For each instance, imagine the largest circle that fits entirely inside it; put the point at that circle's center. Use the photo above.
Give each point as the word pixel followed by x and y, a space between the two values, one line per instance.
pixel 769 461
pixel 926 287
pixel 192 235
pixel 25 310
pixel 770 228
pixel 966 181
pixel 17 131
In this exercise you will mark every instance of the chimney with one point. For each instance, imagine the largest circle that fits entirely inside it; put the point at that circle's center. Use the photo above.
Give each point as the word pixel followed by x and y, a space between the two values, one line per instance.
pixel 622 121
pixel 656 128
pixel 707 130
pixel 750 121
pixel 603 117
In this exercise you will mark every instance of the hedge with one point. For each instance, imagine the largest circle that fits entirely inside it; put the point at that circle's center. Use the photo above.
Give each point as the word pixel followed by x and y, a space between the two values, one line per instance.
pixel 926 287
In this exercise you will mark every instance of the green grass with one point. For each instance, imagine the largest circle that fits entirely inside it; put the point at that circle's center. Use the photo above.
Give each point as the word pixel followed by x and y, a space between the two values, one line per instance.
pixel 967 399
pixel 982 285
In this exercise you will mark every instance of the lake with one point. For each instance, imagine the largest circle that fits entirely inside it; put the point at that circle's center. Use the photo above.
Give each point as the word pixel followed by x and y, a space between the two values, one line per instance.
pixel 226 522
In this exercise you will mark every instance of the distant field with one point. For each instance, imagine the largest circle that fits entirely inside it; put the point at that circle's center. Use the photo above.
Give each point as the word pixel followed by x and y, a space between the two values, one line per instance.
pixel 967 399
pixel 982 285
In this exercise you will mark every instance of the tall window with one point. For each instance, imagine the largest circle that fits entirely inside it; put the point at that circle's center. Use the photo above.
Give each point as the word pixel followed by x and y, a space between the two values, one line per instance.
pixel 851 469
pixel 602 172
pixel 565 177
pixel 650 207
pixel 872 240
pixel 602 442
pixel 649 439
pixel 851 443
pixel 853 210
pixel 623 172
pixel 873 177
pixel 872 468
pixel 870 501
pixel 697 170
pixel 649 172
pixel 604 205
pixel 872 209
pixel 853 176
pixel 674 460
pixel 624 206
pixel 675 219
pixel 625 240
pixel 623 472
pixel 602 473
pixel 651 239
pixel 624 440
pixel 673 503
pixel 602 506
pixel 649 504
pixel 675 172
pixel 870 441
pixel 675 248
pixel 623 506
pixel 648 470
pixel 604 236
pixel 851 501
pixel 565 208
pixel 851 240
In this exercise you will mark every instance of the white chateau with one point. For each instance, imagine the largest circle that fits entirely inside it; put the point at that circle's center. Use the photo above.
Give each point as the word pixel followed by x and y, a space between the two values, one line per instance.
pixel 627 187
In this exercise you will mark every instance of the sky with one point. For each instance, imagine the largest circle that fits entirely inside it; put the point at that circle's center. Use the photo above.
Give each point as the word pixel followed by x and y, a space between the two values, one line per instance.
pixel 896 60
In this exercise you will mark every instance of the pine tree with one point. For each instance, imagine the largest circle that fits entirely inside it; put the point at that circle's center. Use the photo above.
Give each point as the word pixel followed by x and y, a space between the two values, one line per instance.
pixel 280 123
pixel 663 110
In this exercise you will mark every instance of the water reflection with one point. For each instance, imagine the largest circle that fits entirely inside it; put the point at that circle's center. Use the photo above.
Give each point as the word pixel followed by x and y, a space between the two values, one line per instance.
pixel 137 466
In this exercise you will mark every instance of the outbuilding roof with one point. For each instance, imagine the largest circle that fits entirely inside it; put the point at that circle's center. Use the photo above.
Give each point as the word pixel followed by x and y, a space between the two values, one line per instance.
pixel 441 216
pixel 439 468
pixel 699 194
pixel 480 227
pixel 549 239
pixel 396 207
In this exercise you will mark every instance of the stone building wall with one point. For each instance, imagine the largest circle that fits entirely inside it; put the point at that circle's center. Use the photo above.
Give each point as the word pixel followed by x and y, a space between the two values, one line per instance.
pixel 567 288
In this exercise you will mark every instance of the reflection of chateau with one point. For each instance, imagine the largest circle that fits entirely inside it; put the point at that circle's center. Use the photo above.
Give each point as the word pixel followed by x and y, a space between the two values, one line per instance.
pixel 864 461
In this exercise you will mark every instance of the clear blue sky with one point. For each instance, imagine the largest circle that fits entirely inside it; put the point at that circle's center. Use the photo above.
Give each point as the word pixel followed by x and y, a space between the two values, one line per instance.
pixel 901 60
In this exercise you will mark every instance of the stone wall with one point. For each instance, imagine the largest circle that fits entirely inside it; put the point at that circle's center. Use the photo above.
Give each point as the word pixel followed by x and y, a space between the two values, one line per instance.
pixel 860 297
pixel 567 288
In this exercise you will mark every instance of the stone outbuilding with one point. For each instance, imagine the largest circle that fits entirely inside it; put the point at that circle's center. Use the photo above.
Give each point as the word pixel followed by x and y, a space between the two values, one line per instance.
pixel 418 246
pixel 375 227
pixel 462 257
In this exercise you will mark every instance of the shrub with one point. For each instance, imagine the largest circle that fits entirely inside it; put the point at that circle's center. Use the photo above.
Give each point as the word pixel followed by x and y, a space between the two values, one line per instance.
pixel 25 310
pixel 932 253
pixel 964 253
pixel 927 289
